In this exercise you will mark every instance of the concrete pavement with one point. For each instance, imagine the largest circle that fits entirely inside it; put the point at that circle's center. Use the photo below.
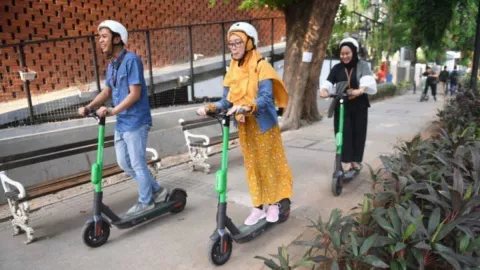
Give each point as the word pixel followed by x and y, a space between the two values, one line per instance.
pixel 180 241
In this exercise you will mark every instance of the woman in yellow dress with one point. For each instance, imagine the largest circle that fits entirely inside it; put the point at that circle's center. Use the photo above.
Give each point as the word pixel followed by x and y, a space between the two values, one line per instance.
pixel 252 84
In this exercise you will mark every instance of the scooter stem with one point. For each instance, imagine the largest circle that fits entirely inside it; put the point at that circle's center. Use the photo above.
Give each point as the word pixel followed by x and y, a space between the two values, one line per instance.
pixel 221 176
pixel 97 167
pixel 339 135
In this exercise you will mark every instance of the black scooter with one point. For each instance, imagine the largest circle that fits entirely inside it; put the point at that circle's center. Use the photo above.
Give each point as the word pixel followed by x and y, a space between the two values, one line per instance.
pixel 220 244
pixel 96 231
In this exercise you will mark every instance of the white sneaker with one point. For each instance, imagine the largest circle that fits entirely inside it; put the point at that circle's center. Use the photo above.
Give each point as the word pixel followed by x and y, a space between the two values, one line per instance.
pixel 160 195
pixel 273 213
pixel 255 216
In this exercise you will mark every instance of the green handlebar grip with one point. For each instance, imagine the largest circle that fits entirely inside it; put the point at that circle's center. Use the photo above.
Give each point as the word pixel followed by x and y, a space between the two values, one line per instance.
pixel 339 139
pixel 220 181
pixel 95 174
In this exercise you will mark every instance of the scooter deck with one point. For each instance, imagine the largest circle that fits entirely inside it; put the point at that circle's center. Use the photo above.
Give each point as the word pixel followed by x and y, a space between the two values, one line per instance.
pixel 247 233
pixel 348 176
pixel 130 221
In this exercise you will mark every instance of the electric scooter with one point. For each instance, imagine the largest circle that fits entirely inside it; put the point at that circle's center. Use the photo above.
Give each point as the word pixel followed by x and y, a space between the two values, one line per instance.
pixel 424 96
pixel 340 177
pixel 220 244
pixel 96 231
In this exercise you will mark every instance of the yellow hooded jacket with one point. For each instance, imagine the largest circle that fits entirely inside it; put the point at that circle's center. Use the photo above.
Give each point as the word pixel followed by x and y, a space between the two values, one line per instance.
pixel 243 79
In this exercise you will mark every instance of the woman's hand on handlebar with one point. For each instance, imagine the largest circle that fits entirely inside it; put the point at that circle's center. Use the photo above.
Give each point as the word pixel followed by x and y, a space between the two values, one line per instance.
pixel 356 92
pixel 202 111
pixel 324 93
pixel 238 109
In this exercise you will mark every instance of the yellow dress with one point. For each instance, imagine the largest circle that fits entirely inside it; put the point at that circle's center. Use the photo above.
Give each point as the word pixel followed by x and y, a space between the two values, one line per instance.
pixel 269 177
pixel 268 174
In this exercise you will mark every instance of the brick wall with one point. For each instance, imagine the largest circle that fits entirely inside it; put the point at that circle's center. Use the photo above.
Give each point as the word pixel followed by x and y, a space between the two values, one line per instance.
pixel 69 63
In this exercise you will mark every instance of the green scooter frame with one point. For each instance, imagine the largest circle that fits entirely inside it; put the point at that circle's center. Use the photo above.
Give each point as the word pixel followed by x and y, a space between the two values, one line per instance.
pixel 96 231
pixel 339 177
pixel 220 244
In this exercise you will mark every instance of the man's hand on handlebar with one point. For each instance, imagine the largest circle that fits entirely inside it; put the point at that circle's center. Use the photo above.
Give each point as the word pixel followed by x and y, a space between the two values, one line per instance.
pixel 101 112
pixel 82 111
pixel 104 112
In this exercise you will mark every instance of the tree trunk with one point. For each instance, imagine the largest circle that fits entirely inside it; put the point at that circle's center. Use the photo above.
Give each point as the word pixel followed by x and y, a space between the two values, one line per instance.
pixel 309 26
pixel 391 13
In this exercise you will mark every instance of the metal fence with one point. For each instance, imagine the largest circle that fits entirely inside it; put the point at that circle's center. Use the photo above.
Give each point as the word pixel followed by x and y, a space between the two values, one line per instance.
pixel 70 71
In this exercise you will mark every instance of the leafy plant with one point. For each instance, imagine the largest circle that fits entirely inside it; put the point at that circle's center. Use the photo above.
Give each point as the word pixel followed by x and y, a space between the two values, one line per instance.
pixel 385 90
pixel 424 210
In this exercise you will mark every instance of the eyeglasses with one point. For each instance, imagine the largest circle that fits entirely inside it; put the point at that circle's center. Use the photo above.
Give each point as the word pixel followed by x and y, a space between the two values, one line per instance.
pixel 235 44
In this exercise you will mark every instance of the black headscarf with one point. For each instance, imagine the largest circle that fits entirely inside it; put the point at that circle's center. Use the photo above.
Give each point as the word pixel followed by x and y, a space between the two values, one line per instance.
pixel 354 61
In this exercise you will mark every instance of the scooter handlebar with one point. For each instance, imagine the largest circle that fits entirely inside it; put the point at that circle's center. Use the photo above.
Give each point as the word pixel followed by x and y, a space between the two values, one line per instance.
pixel 91 113
pixel 337 95
pixel 222 113
pixel 212 113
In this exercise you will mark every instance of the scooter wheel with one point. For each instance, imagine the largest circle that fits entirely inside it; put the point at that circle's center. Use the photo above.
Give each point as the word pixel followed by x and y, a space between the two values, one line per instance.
pixel 180 199
pixel 88 234
pixel 215 255
pixel 337 185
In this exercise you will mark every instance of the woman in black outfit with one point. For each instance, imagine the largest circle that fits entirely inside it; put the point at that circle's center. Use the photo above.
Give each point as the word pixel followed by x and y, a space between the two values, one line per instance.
pixel 354 76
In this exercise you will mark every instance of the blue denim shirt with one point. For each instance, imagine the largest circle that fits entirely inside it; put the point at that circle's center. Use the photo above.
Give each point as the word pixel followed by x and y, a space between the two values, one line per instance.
pixel 266 114
pixel 130 72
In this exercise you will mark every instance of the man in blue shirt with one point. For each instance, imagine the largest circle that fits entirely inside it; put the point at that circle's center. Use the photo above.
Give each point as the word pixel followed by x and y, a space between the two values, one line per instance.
pixel 125 84
pixel 454 76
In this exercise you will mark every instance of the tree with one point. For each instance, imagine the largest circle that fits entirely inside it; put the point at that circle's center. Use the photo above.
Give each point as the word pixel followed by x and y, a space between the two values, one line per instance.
pixel 424 23
pixel 460 35
pixel 309 25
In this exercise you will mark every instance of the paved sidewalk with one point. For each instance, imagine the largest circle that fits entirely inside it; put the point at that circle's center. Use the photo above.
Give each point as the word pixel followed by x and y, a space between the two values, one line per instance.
pixel 180 241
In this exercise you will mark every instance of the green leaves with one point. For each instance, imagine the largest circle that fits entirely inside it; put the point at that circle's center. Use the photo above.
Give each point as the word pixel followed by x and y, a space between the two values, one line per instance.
pixel 426 214
pixel 434 220
pixel 375 261
pixel 367 244
pixel 354 245
pixel 409 231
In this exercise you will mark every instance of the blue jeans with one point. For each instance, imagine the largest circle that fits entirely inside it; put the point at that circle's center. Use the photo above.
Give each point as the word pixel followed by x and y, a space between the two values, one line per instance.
pixel 130 148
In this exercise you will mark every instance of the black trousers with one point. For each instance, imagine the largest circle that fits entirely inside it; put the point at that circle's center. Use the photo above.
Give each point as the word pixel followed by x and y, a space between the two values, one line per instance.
pixel 354 133
pixel 433 87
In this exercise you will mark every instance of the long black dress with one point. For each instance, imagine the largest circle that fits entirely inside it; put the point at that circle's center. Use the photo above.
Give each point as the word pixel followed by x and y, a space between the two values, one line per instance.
pixel 356 116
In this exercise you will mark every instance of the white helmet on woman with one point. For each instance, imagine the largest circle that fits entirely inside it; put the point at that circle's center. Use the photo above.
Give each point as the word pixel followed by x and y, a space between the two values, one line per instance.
pixel 351 40
pixel 115 27
pixel 247 28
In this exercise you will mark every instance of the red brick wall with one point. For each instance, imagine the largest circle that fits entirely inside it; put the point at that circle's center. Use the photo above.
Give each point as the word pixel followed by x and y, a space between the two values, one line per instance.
pixel 69 63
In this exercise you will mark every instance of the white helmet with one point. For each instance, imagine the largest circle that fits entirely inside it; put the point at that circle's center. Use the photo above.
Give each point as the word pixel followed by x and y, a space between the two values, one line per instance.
pixel 247 28
pixel 115 27
pixel 351 40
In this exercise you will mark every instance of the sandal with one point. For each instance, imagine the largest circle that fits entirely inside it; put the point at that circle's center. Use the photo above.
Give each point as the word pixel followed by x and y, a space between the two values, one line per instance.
pixel 344 165
pixel 358 167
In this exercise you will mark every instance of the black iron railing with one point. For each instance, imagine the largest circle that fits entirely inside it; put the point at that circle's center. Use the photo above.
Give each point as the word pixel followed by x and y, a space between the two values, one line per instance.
pixel 80 62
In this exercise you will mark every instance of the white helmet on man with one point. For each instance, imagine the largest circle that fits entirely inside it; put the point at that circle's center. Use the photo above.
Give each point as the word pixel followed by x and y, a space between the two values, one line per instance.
pixel 247 28
pixel 115 27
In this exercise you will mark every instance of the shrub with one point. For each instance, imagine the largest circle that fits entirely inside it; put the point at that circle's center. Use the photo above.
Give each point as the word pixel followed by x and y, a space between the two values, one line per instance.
pixel 424 211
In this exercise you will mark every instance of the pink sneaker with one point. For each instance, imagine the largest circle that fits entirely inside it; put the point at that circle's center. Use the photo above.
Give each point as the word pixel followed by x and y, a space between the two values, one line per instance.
pixel 255 216
pixel 272 213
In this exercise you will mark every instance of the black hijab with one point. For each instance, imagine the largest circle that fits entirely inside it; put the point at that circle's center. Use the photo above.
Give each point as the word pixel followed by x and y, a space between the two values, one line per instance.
pixel 354 61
